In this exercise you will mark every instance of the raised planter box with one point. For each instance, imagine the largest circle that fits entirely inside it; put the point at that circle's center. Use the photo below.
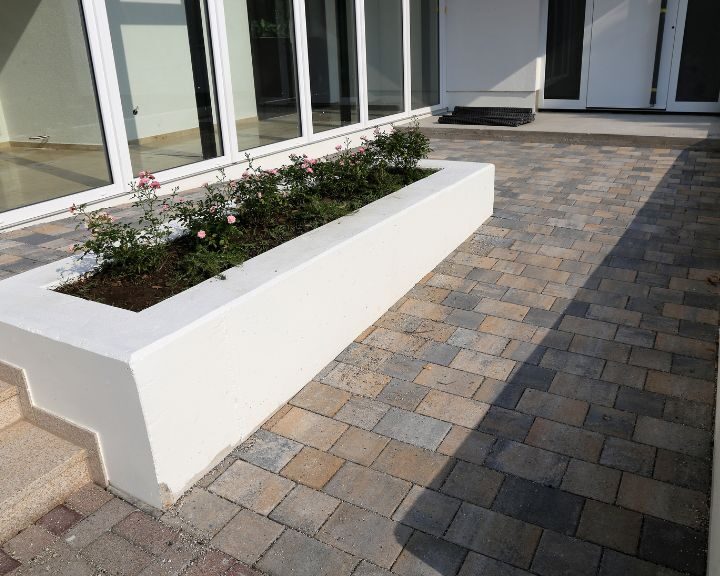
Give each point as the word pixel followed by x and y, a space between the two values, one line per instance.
pixel 170 390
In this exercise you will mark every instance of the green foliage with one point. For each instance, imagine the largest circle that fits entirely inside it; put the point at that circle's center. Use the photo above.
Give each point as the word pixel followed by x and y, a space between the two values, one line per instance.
pixel 185 241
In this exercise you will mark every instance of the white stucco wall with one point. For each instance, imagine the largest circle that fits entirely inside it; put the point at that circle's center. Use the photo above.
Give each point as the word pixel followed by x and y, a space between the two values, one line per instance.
pixel 493 48
pixel 45 80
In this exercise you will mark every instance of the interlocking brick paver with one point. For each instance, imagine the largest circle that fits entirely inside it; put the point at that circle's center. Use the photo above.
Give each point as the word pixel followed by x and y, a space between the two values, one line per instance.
pixel 117 556
pixel 417 465
pixel 473 483
pixel 104 518
pixel 362 412
pixel 536 504
pixel 294 554
pixel 29 544
pixel 677 437
pixel 680 387
pixel 610 421
pixel 449 380
pixel 553 407
pixel 483 364
pixel 59 520
pixel 304 509
pixel 663 500
pixel 206 512
pixel 452 408
pixel 88 499
pixel 494 535
pixel 565 439
pixel 368 488
pixel 628 456
pixel 412 428
pixel 427 556
pixel 427 510
pixel 268 450
pixel 591 480
pixel 467 444
pixel 584 388
pixel 312 467
pixel 247 536
pixel 309 428
pixel 320 398
pixel 365 534
pixel 527 462
pixel 610 526
pixel 671 545
pixel 682 470
pixel 558 555
pixel 359 446
pixel 402 394
pixel 252 487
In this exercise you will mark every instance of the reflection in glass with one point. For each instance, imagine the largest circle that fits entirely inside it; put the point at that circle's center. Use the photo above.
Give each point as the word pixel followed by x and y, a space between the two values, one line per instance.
pixel 333 63
pixel 425 52
pixel 383 38
pixel 51 138
pixel 564 49
pixel 261 39
pixel 164 66
pixel 699 77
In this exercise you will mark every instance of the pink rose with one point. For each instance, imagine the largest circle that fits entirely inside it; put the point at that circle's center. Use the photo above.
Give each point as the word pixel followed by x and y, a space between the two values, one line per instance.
pixel 143 181
pixel 361 150
pixel 231 219
pixel 310 170
pixel 201 234
pixel 142 174
pixel 155 184
pixel 212 209
pixel 338 147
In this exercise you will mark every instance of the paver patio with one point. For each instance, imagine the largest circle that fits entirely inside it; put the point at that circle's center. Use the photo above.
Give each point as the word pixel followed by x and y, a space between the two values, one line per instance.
pixel 540 403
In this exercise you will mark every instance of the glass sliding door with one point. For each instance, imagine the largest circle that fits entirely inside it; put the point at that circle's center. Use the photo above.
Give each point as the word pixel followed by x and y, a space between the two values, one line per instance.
pixel 564 49
pixel 163 59
pixel 332 52
pixel 384 56
pixel 261 40
pixel 425 53
pixel 699 74
pixel 51 137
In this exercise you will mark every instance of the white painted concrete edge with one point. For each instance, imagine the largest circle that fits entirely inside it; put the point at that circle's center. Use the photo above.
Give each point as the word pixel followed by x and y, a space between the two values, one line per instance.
pixel 172 389
pixel 713 561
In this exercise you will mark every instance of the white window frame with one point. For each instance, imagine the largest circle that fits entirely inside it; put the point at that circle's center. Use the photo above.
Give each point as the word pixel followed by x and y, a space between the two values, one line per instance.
pixel 111 111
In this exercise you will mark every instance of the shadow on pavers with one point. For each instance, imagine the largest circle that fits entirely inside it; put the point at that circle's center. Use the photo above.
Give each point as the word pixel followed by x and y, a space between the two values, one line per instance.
pixel 587 462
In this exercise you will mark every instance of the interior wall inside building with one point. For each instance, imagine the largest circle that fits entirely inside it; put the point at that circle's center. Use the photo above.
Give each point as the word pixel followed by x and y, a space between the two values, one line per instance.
pixel 493 47
pixel 241 64
pixel 45 77
pixel 384 74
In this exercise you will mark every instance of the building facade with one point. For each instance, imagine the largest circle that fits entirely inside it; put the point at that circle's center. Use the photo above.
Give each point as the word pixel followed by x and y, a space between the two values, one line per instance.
pixel 93 91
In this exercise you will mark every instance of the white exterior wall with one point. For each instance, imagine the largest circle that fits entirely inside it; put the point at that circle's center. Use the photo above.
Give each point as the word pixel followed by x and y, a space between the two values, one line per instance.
pixel 493 50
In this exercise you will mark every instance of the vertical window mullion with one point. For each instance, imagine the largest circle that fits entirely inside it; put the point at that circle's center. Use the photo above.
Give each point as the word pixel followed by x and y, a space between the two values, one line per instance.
pixel 407 67
pixel 223 79
pixel 361 61
pixel 301 42
pixel 103 62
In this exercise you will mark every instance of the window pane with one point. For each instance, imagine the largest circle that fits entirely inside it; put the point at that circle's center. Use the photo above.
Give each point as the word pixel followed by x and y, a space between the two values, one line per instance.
pixel 383 38
pixel 51 139
pixel 164 66
pixel 333 63
pixel 261 38
pixel 425 52
pixel 699 77
pixel 564 50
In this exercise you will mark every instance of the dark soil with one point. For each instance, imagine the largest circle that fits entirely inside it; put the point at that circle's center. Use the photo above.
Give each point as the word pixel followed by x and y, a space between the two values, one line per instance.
pixel 140 292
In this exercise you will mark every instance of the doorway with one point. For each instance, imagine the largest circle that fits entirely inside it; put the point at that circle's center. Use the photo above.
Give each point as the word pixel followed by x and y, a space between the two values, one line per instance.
pixel 627 54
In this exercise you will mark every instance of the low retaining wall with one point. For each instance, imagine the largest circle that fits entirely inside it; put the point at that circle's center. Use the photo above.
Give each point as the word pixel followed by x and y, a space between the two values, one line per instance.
pixel 170 390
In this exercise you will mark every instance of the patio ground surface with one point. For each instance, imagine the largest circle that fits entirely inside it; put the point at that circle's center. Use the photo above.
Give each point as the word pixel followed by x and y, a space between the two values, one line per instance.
pixel 540 403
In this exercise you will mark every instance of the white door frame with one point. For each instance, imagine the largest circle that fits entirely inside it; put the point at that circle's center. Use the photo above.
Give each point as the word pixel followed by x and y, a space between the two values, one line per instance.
pixel 580 103
pixel 672 104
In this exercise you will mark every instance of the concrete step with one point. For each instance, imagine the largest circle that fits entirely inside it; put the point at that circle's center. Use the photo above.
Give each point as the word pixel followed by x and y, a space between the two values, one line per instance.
pixel 10 411
pixel 38 471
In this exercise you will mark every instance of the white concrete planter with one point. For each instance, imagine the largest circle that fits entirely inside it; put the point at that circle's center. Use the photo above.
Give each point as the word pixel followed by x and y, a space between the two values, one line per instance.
pixel 170 390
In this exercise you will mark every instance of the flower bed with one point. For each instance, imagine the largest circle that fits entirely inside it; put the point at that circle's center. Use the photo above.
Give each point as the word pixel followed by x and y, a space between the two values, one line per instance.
pixel 138 265
pixel 170 390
